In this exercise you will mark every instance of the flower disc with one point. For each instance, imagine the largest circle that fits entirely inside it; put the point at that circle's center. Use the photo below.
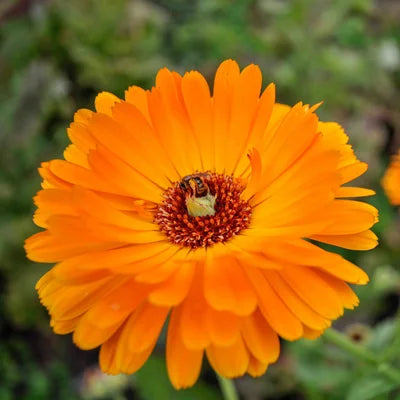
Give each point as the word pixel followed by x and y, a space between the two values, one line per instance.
pixel 232 214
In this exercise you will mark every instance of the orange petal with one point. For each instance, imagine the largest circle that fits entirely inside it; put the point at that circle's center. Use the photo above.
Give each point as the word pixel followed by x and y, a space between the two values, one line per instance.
pixel 229 361
pixel 87 336
pixel 312 256
pixel 128 147
pixel 183 365
pixel 260 339
pixel 226 287
pixel 65 326
pixel 245 99
pixel 144 326
pixel 120 260
pixel 366 240
pixel 128 360
pixel 73 301
pixel 304 312
pixel 312 334
pixel 225 80
pixel 105 317
pixel 278 155
pixel 85 230
pixel 172 124
pixel 104 102
pixel 43 247
pixel 106 166
pixel 348 298
pixel 80 135
pixel 78 175
pixel 349 217
pixel 223 326
pixel 94 205
pixel 259 126
pixel 147 145
pixel 158 273
pixel 256 368
pixel 196 95
pixel 74 155
pixel 275 311
pixel 137 96
pixel 83 115
pixel 47 284
pixel 313 290
pixel 256 174
pixel 354 192
pixel 300 192
pixel 174 289
pixel 107 354
pixel 50 179
pixel 193 311
pixel 352 171
pixel 52 201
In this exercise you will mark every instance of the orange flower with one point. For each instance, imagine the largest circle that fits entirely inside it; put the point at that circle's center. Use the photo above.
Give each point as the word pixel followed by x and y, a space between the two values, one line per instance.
pixel 391 180
pixel 205 209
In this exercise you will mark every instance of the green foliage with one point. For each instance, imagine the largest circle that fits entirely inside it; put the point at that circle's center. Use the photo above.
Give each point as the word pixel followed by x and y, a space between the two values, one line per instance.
pixel 20 374
pixel 152 383
pixel 370 388
pixel 329 373
pixel 56 55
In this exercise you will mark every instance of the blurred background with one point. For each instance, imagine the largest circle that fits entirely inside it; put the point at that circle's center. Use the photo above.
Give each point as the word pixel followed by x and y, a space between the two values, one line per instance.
pixel 55 55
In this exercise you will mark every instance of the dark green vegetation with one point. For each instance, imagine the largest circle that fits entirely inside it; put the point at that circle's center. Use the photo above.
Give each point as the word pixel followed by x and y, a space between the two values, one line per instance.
pixel 56 55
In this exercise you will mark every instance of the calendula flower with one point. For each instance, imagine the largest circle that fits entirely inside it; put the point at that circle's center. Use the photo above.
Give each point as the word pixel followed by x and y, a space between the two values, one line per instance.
pixel 391 180
pixel 204 210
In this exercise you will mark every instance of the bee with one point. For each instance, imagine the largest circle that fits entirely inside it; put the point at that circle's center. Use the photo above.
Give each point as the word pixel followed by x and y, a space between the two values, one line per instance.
pixel 199 201
pixel 195 185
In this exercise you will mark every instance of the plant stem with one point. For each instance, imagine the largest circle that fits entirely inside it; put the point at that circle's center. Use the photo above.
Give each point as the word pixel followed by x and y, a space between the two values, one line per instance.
pixel 227 388
pixel 345 343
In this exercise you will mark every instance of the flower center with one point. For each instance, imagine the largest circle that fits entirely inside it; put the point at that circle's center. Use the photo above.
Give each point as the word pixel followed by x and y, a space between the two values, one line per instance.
pixel 203 209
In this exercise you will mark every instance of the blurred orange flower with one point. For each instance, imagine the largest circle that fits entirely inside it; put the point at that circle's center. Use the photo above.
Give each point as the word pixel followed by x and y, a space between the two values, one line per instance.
pixel 205 209
pixel 391 180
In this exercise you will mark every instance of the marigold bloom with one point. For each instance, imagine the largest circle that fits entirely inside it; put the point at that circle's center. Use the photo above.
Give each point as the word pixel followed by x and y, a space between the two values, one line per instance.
pixel 205 209
pixel 391 180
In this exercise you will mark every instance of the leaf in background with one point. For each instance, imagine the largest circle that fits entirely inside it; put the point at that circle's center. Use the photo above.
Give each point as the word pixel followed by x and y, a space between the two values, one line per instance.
pixel 383 335
pixel 153 384
pixel 321 368
pixel 386 339
pixel 370 387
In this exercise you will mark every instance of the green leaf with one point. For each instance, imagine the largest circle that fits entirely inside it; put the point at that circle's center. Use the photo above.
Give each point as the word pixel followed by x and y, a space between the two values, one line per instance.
pixel 370 387
pixel 383 335
pixel 152 383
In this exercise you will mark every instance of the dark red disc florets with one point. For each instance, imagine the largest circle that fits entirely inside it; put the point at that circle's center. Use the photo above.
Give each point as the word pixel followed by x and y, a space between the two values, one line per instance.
pixel 232 214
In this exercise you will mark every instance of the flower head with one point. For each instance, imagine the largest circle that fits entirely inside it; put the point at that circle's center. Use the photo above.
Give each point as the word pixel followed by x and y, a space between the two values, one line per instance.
pixel 391 180
pixel 204 210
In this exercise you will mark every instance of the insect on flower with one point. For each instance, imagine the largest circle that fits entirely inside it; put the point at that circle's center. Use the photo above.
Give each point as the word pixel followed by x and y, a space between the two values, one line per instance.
pixel 199 201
